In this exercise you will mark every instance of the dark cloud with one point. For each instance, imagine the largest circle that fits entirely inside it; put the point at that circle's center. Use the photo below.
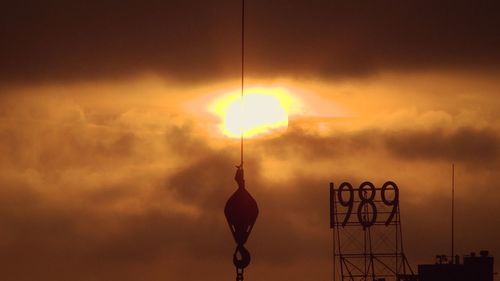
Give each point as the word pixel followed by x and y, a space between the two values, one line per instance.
pixel 198 40
pixel 309 145
pixel 467 144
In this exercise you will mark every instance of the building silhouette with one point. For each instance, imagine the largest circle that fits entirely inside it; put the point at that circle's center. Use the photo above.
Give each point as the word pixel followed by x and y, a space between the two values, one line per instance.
pixel 473 268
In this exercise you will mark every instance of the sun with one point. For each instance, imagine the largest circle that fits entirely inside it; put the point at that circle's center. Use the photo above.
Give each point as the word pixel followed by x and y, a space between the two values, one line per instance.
pixel 261 111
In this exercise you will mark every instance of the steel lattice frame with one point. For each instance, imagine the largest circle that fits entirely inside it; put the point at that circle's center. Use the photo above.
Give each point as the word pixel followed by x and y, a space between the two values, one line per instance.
pixel 367 234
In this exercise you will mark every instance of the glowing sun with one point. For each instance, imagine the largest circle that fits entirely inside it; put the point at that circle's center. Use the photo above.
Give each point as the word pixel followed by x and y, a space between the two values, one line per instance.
pixel 261 111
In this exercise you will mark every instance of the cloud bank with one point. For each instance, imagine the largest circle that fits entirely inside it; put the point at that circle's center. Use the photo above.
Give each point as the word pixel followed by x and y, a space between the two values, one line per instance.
pixel 136 194
pixel 193 41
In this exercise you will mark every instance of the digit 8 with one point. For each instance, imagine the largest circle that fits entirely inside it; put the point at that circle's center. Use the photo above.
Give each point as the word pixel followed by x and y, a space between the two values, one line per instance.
pixel 366 221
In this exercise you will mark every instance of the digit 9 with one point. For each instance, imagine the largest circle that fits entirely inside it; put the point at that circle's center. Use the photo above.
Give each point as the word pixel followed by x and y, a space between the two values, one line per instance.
pixel 349 203
pixel 394 202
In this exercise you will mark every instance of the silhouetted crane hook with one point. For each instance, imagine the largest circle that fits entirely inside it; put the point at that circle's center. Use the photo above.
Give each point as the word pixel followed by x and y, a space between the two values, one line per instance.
pixel 241 212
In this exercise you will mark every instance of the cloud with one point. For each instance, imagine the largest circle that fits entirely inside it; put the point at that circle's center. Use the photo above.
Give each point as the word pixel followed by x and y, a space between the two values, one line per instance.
pixel 192 41
pixel 464 144
pixel 123 193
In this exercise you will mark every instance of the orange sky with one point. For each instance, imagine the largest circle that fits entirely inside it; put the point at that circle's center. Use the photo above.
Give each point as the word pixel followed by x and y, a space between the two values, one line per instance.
pixel 114 167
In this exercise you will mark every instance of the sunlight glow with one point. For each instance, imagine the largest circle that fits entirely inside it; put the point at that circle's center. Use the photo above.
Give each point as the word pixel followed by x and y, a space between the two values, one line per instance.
pixel 262 111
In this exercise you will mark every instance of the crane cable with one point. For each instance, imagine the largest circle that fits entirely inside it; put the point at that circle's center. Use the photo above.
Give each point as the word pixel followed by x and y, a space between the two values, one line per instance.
pixel 240 270
pixel 242 78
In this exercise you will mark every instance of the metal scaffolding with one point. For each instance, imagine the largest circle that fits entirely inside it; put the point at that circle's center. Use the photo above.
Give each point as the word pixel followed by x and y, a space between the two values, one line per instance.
pixel 367 234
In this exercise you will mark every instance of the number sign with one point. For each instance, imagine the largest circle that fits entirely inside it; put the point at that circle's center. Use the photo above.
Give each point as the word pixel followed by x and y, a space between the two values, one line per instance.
pixel 364 202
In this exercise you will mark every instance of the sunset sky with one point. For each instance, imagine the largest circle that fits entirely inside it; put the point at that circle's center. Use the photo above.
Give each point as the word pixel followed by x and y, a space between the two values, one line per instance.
pixel 118 137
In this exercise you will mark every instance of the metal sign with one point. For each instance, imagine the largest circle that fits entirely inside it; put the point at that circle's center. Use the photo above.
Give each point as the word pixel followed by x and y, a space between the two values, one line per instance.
pixel 367 235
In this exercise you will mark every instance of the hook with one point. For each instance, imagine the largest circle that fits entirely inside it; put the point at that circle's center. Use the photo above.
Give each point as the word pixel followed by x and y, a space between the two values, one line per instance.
pixel 244 261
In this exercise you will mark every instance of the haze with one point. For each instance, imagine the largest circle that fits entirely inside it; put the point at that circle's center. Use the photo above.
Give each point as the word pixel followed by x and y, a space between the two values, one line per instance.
pixel 114 167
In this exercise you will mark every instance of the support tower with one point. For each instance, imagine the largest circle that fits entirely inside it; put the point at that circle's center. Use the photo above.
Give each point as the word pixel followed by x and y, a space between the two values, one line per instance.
pixel 367 235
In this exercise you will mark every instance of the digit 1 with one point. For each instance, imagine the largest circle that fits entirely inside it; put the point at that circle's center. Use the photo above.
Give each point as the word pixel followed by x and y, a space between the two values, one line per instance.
pixel 332 206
